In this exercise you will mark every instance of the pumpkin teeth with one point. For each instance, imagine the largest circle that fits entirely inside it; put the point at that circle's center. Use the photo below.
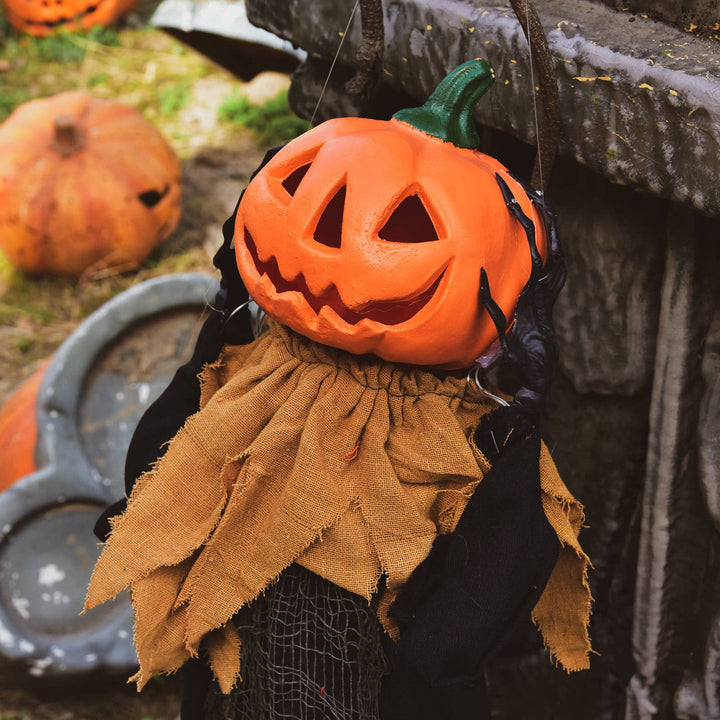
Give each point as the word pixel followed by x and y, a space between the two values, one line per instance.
pixel 329 304
pixel 63 19
pixel 266 284
pixel 327 316
pixel 273 285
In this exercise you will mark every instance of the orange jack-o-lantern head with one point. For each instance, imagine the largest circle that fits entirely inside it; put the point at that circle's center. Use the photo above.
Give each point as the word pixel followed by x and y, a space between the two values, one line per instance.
pixel 369 235
pixel 41 17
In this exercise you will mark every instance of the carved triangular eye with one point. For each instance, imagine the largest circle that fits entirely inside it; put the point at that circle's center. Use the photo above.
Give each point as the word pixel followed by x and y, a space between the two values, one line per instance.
pixel 409 223
pixel 293 180
pixel 329 228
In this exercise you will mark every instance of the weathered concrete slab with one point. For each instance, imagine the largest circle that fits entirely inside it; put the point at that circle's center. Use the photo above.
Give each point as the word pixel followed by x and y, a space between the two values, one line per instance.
pixel 700 15
pixel 221 18
pixel 640 100
pixel 95 389
pixel 606 318
pixel 221 31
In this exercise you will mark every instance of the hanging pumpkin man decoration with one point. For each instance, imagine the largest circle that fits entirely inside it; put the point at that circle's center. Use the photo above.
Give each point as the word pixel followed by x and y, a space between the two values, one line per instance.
pixel 348 527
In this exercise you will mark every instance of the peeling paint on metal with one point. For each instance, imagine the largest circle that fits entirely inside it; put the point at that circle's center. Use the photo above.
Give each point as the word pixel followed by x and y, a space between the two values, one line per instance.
pixel 6 637
pixel 50 574
pixel 22 605
pixel 39 666
pixel 143 392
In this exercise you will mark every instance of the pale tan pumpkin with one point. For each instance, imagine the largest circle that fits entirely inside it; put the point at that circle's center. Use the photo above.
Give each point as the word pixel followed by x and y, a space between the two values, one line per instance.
pixel 84 183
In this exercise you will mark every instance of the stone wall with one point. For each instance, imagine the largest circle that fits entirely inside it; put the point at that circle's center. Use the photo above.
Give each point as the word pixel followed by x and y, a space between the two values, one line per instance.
pixel 634 416
pixel 692 15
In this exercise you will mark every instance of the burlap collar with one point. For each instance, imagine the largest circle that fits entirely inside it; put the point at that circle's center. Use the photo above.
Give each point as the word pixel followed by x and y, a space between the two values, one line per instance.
pixel 347 465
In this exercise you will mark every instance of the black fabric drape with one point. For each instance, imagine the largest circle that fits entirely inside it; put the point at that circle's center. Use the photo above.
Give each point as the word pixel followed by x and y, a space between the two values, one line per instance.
pixel 181 398
pixel 481 581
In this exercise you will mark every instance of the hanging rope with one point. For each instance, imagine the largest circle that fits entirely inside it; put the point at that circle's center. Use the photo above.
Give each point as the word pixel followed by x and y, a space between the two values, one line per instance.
pixel 368 57
pixel 549 126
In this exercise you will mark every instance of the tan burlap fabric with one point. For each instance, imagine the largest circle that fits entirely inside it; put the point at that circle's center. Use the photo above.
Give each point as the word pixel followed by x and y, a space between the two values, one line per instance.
pixel 347 465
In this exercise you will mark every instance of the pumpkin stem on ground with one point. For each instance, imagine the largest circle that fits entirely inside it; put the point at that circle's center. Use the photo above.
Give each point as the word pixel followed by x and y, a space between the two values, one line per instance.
pixel 447 114
pixel 68 138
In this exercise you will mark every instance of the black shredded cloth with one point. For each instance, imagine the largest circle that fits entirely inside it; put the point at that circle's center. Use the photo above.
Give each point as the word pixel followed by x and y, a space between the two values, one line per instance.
pixel 480 583
pixel 181 398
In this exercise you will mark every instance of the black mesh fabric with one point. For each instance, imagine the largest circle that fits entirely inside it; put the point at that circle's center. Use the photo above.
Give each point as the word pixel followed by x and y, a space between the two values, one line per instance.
pixel 313 651
pixel 310 650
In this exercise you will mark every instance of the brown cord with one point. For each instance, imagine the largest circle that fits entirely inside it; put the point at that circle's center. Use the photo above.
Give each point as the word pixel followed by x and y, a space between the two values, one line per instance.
pixel 368 57
pixel 547 81
pixel 368 60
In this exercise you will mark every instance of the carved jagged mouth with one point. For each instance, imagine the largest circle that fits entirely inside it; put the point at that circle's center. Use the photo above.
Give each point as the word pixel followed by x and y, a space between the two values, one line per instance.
pixel 63 20
pixel 387 313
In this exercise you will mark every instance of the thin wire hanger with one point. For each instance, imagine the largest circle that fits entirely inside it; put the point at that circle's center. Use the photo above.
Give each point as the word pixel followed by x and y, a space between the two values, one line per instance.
pixel 335 59
pixel 534 97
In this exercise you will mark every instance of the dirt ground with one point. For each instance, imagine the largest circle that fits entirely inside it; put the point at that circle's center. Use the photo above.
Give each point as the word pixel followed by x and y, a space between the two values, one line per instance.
pixel 37 314
pixel 94 699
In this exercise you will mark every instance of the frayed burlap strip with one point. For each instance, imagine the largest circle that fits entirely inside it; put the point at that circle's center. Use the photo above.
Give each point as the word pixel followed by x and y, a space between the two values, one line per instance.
pixel 563 612
pixel 302 453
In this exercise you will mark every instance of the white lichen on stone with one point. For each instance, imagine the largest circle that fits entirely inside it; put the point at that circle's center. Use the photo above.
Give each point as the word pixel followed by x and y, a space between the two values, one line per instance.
pixel 22 605
pixel 50 575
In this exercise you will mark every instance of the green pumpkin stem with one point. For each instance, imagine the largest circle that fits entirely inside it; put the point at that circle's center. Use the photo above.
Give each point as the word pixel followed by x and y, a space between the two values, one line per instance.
pixel 447 114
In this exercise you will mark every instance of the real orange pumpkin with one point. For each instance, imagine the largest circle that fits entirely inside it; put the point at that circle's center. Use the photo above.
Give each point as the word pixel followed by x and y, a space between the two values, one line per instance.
pixel 18 430
pixel 84 182
pixel 369 235
pixel 41 17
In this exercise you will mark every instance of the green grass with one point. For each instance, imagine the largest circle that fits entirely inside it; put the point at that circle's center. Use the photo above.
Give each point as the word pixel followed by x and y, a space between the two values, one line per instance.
pixel 9 100
pixel 174 97
pixel 107 62
pixel 26 54
pixel 4 34
pixel 273 122
pixel 62 46
pixel 98 79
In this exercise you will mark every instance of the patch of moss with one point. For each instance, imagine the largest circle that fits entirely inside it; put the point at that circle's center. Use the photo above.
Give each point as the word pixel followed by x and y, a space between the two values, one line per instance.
pixel 39 67
pixel 111 63
pixel 273 122
pixel 5 30
pixel 174 97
